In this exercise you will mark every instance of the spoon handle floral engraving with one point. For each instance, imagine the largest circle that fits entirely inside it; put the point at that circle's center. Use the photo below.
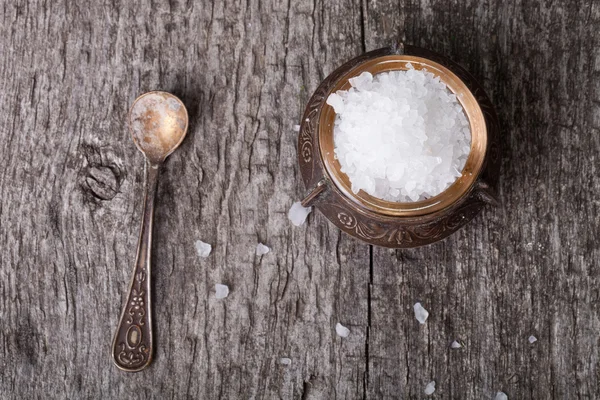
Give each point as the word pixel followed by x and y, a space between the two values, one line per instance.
pixel 133 343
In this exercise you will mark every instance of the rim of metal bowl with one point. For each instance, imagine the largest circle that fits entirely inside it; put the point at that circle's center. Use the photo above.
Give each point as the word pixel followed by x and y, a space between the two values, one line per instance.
pixel 473 166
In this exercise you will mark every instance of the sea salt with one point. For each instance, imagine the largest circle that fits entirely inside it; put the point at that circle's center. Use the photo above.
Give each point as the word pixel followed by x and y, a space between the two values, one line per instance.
pixel 400 135
pixel 203 249
pixel 285 361
pixel 298 214
pixel 532 339
pixel 221 291
pixel 430 388
pixel 501 396
pixel 341 330
pixel 421 314
pixel 456 345
pixel 261 249
pixel 296 128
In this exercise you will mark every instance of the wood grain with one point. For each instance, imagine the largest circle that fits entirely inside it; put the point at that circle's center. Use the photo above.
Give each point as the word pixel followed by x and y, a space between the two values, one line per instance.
pixel 71 190
pixel 530 266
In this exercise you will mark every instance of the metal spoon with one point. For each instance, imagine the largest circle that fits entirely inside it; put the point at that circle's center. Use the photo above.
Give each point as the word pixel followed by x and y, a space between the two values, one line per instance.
pixel 158 122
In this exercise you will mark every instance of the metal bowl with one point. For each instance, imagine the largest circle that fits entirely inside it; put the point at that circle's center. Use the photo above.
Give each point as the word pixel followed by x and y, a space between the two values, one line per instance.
pixel 399 224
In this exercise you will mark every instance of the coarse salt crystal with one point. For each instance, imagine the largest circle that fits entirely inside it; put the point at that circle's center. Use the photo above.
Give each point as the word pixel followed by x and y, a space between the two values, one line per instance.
pixel 430 388
pixel 421 314
pixel 532 339
pixel 298 214
pixel 501 396
pixel 336 101
pixel 285 361
pixel 221 291
pixel 203 249
pixel 456 345
pixel 261 249
pixel 296 128
pixel 341 330
pixel 400 135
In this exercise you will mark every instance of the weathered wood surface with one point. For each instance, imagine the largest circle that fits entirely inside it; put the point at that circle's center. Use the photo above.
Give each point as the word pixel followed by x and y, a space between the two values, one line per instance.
pixel 71 188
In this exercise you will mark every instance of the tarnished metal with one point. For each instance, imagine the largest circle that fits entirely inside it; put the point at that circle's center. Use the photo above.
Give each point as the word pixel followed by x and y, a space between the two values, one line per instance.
pixel 312 196
pixel 158 122
pixel 394 224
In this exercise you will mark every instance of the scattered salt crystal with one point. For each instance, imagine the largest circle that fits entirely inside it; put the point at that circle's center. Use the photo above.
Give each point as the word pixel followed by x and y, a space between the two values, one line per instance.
pixel 400 135
pixel 532 339
pixel 307 119
pixel 430 388
pixel 341 330
pixel 261 249
pixel 285 361
pixel 203 249
pixel 501 396
pixel 421 314
pixel 296 128
pixel 298 214
pixel 456 345
pixel 221 291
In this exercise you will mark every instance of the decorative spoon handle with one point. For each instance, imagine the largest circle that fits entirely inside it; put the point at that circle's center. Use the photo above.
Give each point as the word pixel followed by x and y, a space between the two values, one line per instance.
pixel 133 345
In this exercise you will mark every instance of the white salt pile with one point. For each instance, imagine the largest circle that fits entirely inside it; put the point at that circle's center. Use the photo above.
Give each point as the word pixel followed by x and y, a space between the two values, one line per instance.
pixel 501 396
pixel 421 314
pixel 400 135
pixel 203 249
pixel 532 339
pixel 298 214
pixel 221 291
pixel 430 388
pixel 456 345
pixel 341 330
pixel 285 361
pixel 261 249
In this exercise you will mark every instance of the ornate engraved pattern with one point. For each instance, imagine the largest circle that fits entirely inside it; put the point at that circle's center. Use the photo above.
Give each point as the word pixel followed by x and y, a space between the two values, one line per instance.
pixel 132 337
pixel 390 233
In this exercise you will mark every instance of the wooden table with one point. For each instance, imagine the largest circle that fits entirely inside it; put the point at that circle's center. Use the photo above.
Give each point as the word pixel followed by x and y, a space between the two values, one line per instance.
pixel 71 187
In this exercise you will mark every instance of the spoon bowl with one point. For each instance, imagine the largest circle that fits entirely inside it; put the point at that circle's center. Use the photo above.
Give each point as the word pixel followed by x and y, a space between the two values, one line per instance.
pixel 158 123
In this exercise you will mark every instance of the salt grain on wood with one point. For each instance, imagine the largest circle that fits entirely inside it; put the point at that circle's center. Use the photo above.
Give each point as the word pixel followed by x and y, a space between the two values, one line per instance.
pixel 341 330
pixel 296 128
pixel 203 249
pixel 430 388
pixel 221 291
pixel 421 314
pixel 400 135
pixel 285 361
pixel 298 214
pixel 261 249
pixel 456 345
pixel 501 396
pixel 532 339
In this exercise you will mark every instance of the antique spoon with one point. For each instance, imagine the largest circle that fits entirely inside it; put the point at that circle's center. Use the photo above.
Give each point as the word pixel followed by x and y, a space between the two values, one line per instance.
pixel 158 122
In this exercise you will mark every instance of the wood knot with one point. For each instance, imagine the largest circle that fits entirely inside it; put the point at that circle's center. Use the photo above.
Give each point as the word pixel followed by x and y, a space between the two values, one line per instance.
pixel 102 181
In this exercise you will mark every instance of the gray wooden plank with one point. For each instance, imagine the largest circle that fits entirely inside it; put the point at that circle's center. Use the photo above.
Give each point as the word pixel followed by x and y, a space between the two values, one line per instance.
pixel 528 267
pixel 71 187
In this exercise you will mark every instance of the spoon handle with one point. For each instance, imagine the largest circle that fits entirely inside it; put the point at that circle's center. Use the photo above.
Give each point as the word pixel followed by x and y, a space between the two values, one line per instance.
pixel 133 343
